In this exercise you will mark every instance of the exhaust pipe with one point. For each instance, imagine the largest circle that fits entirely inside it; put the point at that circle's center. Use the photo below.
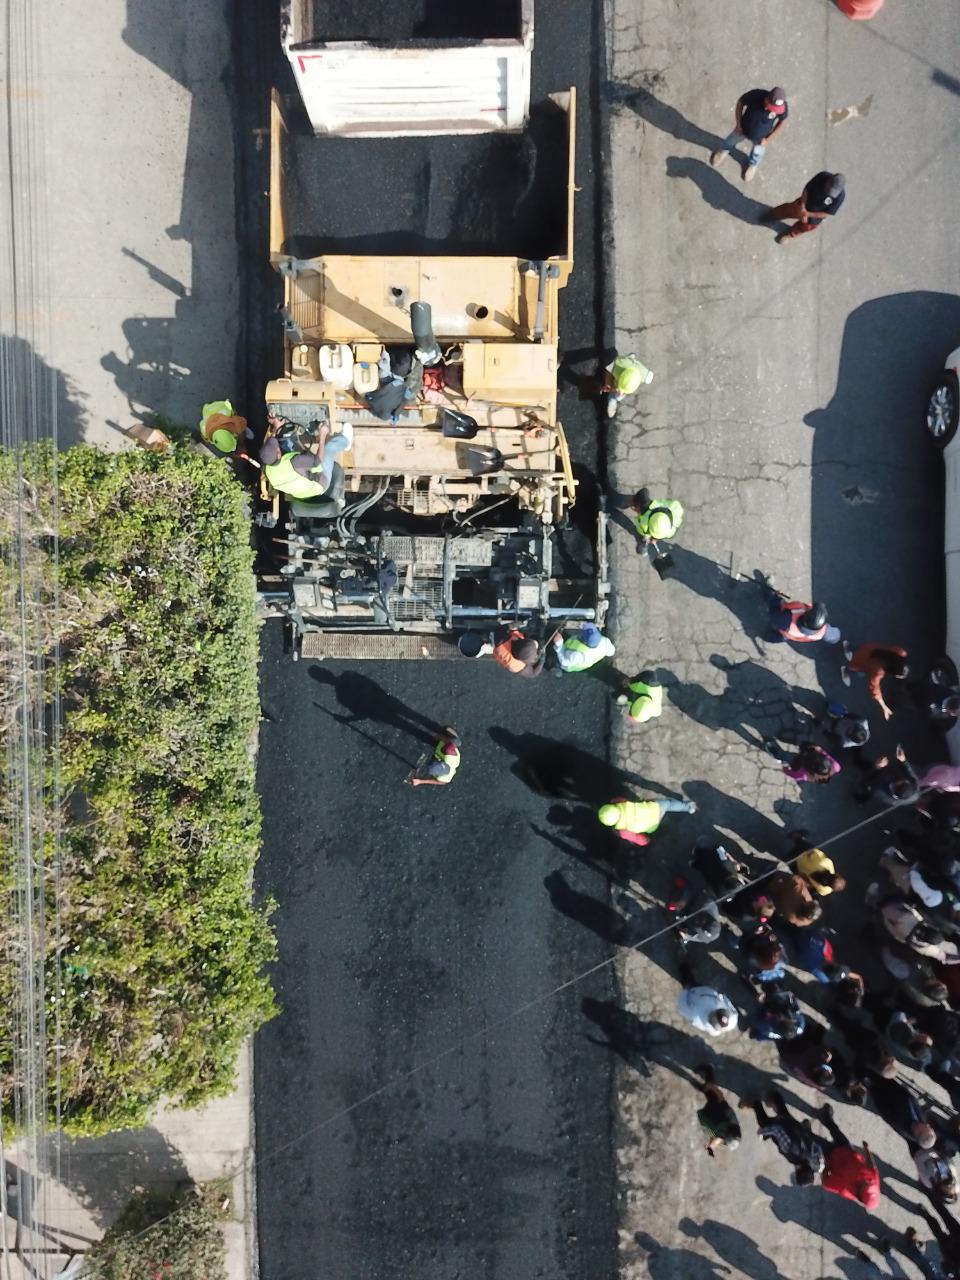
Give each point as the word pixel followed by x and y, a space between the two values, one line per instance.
pixel 421 321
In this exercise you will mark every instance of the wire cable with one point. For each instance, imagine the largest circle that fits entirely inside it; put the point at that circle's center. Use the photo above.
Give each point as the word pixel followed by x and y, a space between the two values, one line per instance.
pixel 534 1001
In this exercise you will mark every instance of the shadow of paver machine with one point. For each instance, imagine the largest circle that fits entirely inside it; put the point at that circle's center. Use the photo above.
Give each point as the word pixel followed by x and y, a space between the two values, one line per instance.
pixel 435 379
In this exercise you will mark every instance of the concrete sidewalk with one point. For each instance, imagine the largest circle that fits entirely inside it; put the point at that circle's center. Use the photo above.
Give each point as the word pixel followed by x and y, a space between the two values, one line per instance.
pixel 141 217
pixel 139 222
pixel 99 1175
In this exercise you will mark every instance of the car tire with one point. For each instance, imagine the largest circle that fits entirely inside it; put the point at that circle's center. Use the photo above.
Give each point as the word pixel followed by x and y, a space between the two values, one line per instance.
pixel 943 409
pixel 944 672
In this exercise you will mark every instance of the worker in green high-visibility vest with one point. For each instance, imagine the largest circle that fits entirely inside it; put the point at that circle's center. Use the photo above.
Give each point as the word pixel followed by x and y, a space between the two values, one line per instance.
pixel 582 649
pixel 441 768
pixel 622 377
pixel 655 519
pixel 643 698
pixel 636 820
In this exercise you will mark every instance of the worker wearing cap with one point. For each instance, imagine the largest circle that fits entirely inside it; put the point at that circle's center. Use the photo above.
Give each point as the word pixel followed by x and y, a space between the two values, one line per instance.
pixel 303 475
pixel 643 699
pixel 221 427
pixel 656 519
pixel 622 377
pixel 821 198
pixel 442 766
pixel 636 820
pixel 582 650
pixel 518 654
pixel 760 115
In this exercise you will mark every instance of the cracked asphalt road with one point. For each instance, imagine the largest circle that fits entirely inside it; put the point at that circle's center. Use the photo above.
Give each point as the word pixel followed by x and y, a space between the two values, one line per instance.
pixel 786 415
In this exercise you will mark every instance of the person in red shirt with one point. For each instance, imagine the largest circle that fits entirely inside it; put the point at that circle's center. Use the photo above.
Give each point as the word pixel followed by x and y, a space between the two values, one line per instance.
pixel 874 661
pixel 848 1172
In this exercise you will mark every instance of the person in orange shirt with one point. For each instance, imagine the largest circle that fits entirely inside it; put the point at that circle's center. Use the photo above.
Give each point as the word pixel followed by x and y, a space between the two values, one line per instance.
pixel 519 655
pixel 874 661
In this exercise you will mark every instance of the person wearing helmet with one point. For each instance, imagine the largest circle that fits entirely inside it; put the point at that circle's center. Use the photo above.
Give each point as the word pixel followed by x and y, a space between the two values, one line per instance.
pixel 441 768
pixel 795 621
pixel 636 820
pixel 221 427
pixel 643 698
pixel 622 377
pixel 582 649
pixel 656 519
pixel 302 474
pixel 518 654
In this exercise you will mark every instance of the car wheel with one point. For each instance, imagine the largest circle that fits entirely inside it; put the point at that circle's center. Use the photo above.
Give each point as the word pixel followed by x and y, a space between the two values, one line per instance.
pixel 943 409
pixel 944 672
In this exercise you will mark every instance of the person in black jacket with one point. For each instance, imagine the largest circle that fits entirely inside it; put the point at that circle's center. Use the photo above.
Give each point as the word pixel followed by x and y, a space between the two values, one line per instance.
pixel 821 198
pixel 794 1139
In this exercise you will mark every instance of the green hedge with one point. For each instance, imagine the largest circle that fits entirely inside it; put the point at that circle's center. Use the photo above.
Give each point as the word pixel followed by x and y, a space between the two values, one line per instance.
pixel 163 952
pixel 172 1238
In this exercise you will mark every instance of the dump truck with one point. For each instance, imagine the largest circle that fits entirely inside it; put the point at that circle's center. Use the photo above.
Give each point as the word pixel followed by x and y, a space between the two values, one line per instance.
pixel 463 69
pixel 437 377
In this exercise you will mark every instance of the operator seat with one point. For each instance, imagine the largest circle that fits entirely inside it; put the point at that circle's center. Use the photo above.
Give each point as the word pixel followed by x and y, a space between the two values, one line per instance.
pixel 327 505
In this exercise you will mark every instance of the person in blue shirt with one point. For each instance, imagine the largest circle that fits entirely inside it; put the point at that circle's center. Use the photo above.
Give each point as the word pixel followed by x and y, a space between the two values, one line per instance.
pixel 760 115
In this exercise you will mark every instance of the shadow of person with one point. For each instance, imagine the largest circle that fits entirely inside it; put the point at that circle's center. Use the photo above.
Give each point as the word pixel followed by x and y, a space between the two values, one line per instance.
pixel 599 917
pixel 712 581
pixel 835 1222
pixel 728 813
pixel 597 850
pixel 733 1246
pixel 661 115
pixel 757 704
pixel 869 476
pixel 718 193
pixel 564 771
pixel 641 1043
pixel 665 1263
pixel 363 699
pixel 583 368
pixel 56 413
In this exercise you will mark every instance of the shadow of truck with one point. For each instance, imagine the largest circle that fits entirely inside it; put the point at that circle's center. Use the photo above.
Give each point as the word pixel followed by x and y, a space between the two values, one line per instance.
pixel 877 481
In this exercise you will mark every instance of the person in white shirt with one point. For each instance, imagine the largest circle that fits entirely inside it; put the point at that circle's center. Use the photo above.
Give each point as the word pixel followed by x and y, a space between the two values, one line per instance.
pixel 709 1010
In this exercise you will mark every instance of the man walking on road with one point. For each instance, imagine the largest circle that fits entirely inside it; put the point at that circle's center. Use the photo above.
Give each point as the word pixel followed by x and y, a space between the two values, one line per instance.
pixel 636 820
pixel 760 115
pixel 847 1172
pixel 821 198
pixel 794 1138
pixel 709 1010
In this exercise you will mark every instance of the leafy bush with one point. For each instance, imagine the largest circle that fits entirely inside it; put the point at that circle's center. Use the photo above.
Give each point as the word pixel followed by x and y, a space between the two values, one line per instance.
pixel 162 952
pixel 174 1238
